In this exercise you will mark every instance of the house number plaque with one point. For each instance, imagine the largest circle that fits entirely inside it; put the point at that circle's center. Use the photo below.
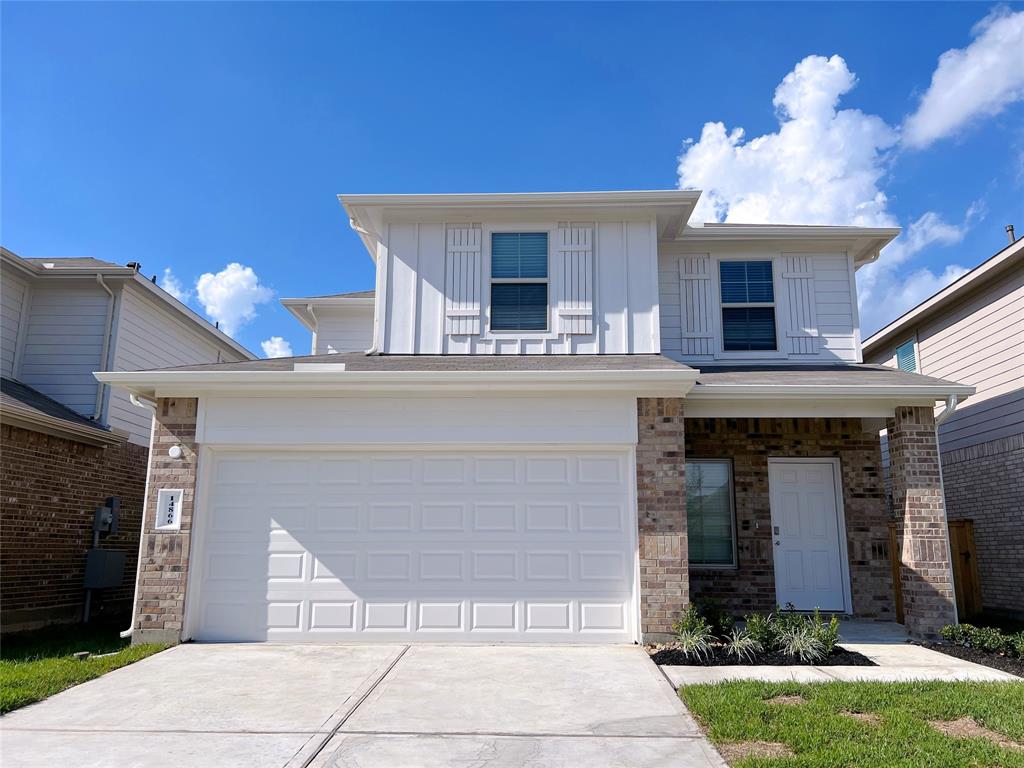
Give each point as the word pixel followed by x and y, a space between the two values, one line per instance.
pixel 168 510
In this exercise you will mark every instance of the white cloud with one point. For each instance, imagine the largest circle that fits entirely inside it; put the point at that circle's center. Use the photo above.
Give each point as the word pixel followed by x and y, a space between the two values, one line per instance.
pixel 824 165
pixel 976 81
pixel 276 346
pixel 231 296
pixel 173 286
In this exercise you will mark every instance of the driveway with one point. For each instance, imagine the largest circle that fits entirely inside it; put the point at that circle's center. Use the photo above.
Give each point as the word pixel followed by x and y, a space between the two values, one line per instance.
pixel 367 706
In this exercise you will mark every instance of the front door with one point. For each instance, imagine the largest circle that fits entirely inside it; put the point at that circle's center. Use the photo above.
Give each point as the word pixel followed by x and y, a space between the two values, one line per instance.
pixel 807 539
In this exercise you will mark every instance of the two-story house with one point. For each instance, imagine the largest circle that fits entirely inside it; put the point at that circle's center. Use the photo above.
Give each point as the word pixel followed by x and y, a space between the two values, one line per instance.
pixel 973 331
pixel 575 413
pixel 69 442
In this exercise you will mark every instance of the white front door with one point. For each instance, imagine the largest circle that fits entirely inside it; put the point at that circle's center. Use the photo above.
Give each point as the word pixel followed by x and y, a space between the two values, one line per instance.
pixel 810 568
pixel 398 545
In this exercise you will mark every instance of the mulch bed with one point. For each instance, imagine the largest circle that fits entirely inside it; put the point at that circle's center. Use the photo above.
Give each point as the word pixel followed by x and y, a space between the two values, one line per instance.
pixel 986 658
pixel 840 657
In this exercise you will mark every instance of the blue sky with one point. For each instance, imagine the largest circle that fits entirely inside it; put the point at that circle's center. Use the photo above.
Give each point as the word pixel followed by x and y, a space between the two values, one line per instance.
pixel 193 136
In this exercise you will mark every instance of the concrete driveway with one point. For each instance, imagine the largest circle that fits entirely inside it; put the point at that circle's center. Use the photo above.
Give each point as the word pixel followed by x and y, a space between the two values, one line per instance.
pixel 366 706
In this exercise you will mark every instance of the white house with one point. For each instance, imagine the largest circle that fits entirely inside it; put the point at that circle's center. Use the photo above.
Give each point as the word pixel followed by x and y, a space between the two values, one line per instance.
pixel 573 414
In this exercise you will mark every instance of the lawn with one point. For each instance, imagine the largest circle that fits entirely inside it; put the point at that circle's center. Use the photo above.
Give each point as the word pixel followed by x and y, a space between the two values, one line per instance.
pixel 38 664
pixel 862 725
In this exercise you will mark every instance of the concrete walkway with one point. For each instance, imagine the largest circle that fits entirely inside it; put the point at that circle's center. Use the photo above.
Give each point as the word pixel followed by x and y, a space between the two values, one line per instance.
pixel 883 642
pixel 394 706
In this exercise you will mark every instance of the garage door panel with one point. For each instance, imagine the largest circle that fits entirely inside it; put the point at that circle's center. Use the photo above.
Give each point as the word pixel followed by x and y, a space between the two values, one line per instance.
pixel 393 545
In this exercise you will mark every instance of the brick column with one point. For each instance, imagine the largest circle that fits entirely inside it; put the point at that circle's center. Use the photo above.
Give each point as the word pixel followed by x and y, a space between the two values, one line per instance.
pixel 926 575
pixel 160 612
pixel 661 508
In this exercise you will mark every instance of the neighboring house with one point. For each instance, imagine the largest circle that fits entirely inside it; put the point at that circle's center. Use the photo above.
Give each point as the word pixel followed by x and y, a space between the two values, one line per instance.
pixel 575 415
pixel 973 331
pixel 341 322
pixel 69 441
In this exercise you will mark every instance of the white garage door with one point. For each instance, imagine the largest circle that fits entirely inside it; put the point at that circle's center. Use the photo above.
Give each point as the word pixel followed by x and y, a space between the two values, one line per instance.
pixel 517 546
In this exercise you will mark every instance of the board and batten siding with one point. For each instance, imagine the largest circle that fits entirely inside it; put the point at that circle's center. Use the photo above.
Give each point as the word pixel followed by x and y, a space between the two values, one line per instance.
pixel 815 306
pixel 64 343
pixel 13 305
pixel 343 330
pixel 979 341
pixel 149 336
pixel 426 307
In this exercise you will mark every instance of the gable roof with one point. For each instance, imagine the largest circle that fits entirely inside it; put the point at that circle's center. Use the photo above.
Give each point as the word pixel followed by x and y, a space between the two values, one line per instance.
pixel 304 308
pixel 24 406
pixel 1010 257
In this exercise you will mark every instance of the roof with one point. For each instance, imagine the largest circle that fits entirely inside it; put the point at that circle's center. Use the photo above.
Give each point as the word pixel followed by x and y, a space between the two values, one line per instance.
pixel 353 301
pixel 1009 258
pixel 24 406
pixel 370 214
pixel 350 295
pixel 88 267
pixel 811 380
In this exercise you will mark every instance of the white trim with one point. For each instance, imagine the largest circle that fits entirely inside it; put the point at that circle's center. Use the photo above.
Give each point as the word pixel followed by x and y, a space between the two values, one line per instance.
pixel 486 332
pixel 197 543
pixel 718 323
pixel 837 485
pixel 634 504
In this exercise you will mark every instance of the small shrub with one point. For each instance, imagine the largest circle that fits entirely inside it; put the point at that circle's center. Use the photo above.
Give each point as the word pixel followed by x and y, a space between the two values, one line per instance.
pixel 761 628
pixel 742 645
pixel 689 620
pixel 989 639
pixel 721 622
pixel 956 634
pixel 801 642
pixel 1015 646
pixel 693 634
pixel 827 633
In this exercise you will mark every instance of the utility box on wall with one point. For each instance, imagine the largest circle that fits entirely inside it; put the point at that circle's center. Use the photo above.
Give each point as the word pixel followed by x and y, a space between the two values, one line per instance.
pixel 104 568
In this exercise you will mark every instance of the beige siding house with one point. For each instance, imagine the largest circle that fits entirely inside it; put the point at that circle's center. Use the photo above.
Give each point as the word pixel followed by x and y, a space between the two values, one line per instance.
pixel 973 332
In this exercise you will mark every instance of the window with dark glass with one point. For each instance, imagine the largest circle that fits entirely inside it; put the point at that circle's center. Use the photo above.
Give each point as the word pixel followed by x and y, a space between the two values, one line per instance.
pixel 748 306
pixel 519 281
pixel 709 512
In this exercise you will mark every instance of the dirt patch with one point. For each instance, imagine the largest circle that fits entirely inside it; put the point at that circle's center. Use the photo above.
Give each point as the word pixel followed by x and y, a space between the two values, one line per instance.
pixel 865 717
pixel 995 660
pixel 786 700
pixel 734 751
pixel 967 728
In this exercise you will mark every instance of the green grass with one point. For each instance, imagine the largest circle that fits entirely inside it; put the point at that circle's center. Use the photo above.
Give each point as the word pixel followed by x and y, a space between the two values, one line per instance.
pixel 820 735
pixel 38 664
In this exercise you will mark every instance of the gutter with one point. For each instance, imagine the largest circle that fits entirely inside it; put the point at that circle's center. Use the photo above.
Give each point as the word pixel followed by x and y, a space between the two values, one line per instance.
pixel 949 410
pixel 151 406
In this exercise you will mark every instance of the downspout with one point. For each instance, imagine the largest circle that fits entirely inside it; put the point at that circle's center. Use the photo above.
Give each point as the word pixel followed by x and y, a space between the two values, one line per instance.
pixel 137 401
pixel 101 387
pixel 316 326
pixel 949 410
pixel 380 290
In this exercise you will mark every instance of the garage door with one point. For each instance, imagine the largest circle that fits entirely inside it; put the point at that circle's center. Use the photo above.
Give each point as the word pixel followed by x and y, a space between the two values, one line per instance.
pixel 515 546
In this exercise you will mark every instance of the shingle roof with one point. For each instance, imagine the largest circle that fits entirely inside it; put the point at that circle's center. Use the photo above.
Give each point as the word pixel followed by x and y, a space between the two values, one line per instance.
pixel 838 374
pixel 76 262
pixel 359 361
pixel 349 295
pixel 14 394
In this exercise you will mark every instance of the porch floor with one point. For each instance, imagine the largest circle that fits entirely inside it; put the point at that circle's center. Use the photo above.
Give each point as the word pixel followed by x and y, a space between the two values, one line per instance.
pixel 885 643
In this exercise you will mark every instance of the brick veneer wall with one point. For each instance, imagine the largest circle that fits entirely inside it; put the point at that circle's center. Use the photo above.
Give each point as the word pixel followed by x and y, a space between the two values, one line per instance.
pixel 919 506
pixel 661 507
pixel 51 487
pixel 749 442
pixel 165 554
pixel 985 483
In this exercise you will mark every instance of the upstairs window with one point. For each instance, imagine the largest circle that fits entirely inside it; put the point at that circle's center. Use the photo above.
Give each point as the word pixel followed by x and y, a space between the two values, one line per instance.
pixel 906 358
pixel 709 513
pixel 519 281
pixel 748 306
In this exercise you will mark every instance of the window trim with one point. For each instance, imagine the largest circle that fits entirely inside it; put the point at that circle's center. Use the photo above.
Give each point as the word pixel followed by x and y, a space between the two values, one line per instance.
pixel 735 564
pixel 719 326
pixel 513 334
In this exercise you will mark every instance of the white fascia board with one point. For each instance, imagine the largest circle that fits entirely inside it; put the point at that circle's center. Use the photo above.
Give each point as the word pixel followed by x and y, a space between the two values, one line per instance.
pixel 865 243
pixel 948 294
pixel 152 384
pixel 299 307
pixel 827 391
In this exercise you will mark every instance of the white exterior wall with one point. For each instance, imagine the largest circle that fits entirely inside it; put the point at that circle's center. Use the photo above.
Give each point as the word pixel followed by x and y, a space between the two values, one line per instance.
pixel 625 294
pixel 815 305
pixel 348 329
pixel 149 336
pixel 13 305
pixel 64 342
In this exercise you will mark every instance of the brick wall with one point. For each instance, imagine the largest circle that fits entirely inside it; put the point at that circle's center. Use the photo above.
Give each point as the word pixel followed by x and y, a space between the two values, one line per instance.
pixel 165 554
pixel 985 483
pixel 919 506
pixel 661 507
pixel 51 487
pixel 749 443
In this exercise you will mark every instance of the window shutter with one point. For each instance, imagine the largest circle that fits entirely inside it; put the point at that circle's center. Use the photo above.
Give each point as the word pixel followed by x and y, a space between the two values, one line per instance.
pixel 696 305
pixel 906 360
pixel 802 329
pixel 462 280
pixel 574 255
